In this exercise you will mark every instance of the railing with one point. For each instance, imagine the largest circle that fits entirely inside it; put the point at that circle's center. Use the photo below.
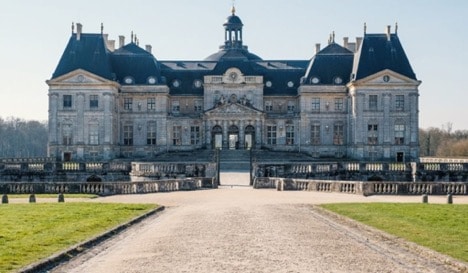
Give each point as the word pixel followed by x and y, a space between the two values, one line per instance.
pixel 107 188
pixel 364 188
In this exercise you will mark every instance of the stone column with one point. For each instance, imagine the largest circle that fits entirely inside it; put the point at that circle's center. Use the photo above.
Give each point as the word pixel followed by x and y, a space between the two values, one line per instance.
pixel 225 134
pixel 107 104
pixel 387 129
pixel 53 122
pixel 80 105
pixel 241 134
pixel 258 133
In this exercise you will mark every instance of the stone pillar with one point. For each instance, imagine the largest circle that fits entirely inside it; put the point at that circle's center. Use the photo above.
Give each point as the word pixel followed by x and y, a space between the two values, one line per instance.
pixel 258 134
pixel 107 103
pixel 241 134
pixel 53 122
pixel 225 134
pixel 387 128
pixel 207 127
pixel 80 104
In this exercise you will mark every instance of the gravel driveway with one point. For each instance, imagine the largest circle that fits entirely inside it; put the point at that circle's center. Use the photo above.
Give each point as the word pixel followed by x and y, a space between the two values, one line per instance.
pixel 244 230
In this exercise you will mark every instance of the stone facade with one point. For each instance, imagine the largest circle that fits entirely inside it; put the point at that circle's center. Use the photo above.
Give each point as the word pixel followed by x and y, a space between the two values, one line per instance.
pixel 357 101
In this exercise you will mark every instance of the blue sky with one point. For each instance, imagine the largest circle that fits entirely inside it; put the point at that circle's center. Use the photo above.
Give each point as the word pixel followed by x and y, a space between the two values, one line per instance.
pixel 33 35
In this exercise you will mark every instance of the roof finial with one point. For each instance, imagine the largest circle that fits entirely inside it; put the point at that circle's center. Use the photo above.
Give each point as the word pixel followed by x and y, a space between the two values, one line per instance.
pixel 102 28
pixel 73 27
pixel 233 9
pixel 131 37
pixel 333 37
pixel 396 27
pixel 365 27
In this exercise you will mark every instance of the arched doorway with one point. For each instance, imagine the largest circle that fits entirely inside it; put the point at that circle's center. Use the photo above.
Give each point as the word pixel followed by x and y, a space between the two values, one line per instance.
pixel 217 137
pixel 249 137
pixel 233 137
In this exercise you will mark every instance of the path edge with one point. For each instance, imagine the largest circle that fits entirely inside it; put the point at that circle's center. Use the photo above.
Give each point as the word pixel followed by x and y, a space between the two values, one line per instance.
pixel 52 261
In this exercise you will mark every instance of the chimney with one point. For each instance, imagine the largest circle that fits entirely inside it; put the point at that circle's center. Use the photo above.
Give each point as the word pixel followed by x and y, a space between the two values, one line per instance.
pixel 121 41
pixel 358 43
pixel 352 47
pixel 111 45
pixel 149 48
pixel 317 48
pixel 345 42
pixel 79 28
pixel 388 32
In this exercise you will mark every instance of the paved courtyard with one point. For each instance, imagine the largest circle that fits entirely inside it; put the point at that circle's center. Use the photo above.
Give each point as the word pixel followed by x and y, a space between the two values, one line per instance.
pixel 238 229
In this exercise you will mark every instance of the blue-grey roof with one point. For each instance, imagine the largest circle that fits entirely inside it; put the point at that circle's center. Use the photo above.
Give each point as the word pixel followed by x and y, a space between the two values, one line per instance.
pixel 378 53
pixel 88 53
pixel 331 62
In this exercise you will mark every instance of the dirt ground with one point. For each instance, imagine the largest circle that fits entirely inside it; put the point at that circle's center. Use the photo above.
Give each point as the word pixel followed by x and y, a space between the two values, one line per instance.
pixel 239 229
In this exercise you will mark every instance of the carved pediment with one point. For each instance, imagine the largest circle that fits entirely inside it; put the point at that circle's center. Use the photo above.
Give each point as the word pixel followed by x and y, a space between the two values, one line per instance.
pixel 387 77
pixel 78 77
pixel 233 109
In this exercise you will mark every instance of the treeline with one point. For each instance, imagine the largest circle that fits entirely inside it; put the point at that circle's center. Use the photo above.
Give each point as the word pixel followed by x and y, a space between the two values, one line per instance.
pixel 22 138
pixel 443 142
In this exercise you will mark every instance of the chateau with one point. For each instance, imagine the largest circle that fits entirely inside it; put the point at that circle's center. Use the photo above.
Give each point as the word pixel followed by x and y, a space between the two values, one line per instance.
pixel 356 100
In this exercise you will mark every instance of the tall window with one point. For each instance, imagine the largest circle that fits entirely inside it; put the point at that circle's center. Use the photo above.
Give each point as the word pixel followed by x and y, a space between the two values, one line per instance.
pixel 93 134
pixel 151 133
pixel 128 104
pixel 400 102
pixel 195 135
pixel 67 101
pixel 315 134
pixel 291 106
pixel 315 104
pixel 399 134
pixel 268 106
pixel 198 106
pixel 338 104
pixel 93 101
pixel 373 102
pixel 289 134
pixel 372 134
pixel 271 135
pixel 177 135
pixel 175 106
pixel 338 134
pixel 128 135
pixel 67 134
pixel 151 104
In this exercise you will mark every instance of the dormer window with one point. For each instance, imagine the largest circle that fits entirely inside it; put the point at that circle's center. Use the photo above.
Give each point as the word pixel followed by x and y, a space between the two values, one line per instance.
pixel 338 80
pixel 128 80
pixel 151 80
pixel 314 80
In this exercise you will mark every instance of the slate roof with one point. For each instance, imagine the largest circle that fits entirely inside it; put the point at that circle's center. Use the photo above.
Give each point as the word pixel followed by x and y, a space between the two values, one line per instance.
pixel 331 62
pixel 378 53
pixel 88 53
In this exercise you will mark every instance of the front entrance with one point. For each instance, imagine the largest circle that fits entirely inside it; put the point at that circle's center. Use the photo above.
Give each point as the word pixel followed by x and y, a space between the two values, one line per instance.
pixel 233 135
pixel 400 156
pixel 249 137
pixel 217 136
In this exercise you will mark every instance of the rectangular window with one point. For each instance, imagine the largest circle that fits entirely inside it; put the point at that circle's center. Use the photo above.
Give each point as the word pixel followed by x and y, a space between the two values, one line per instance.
pixel 128 104
pixel 268 106
pixel 151 104
pixel 128 135
pixel 67 135
pixel 315 134
pixel 271 135
pixel 289 134
pixel 400 102
pixel 291 106
pixel 338 134
pixel 175 107
pixel 67 101
pixel 372 134
pixel 399 134
pixel 151 133
pixel 338 104
pixel 93 101
pixel 93 134
pixel 177 135
pixel 315 104
pixel 198 106
pixel 195 135
pixel 373 102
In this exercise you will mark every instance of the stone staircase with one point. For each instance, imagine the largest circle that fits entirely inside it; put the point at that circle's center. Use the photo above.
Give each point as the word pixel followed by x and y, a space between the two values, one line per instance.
pixel 234 160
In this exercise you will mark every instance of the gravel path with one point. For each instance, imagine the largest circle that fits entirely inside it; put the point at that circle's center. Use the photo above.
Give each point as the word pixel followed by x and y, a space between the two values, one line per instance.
pixel 244 230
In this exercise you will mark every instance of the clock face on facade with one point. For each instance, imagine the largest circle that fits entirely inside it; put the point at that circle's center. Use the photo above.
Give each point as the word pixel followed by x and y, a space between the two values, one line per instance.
pixel 233 76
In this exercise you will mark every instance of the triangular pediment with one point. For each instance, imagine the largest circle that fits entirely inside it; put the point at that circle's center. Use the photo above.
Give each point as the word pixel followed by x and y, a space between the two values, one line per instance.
pixel 80 77
pixel 233 109
pixel 386 77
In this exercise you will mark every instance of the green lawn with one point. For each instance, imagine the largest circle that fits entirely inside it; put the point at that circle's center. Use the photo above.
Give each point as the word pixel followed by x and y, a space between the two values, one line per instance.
pixel 30 232
pixel 443 228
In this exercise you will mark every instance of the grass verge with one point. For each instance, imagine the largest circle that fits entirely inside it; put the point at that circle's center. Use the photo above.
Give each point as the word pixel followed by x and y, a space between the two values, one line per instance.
pixel 442 228
pixel 30 232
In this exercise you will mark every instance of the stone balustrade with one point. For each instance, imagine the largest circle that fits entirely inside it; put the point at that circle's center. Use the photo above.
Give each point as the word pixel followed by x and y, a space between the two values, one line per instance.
pixel 363 188
pixel 107 188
